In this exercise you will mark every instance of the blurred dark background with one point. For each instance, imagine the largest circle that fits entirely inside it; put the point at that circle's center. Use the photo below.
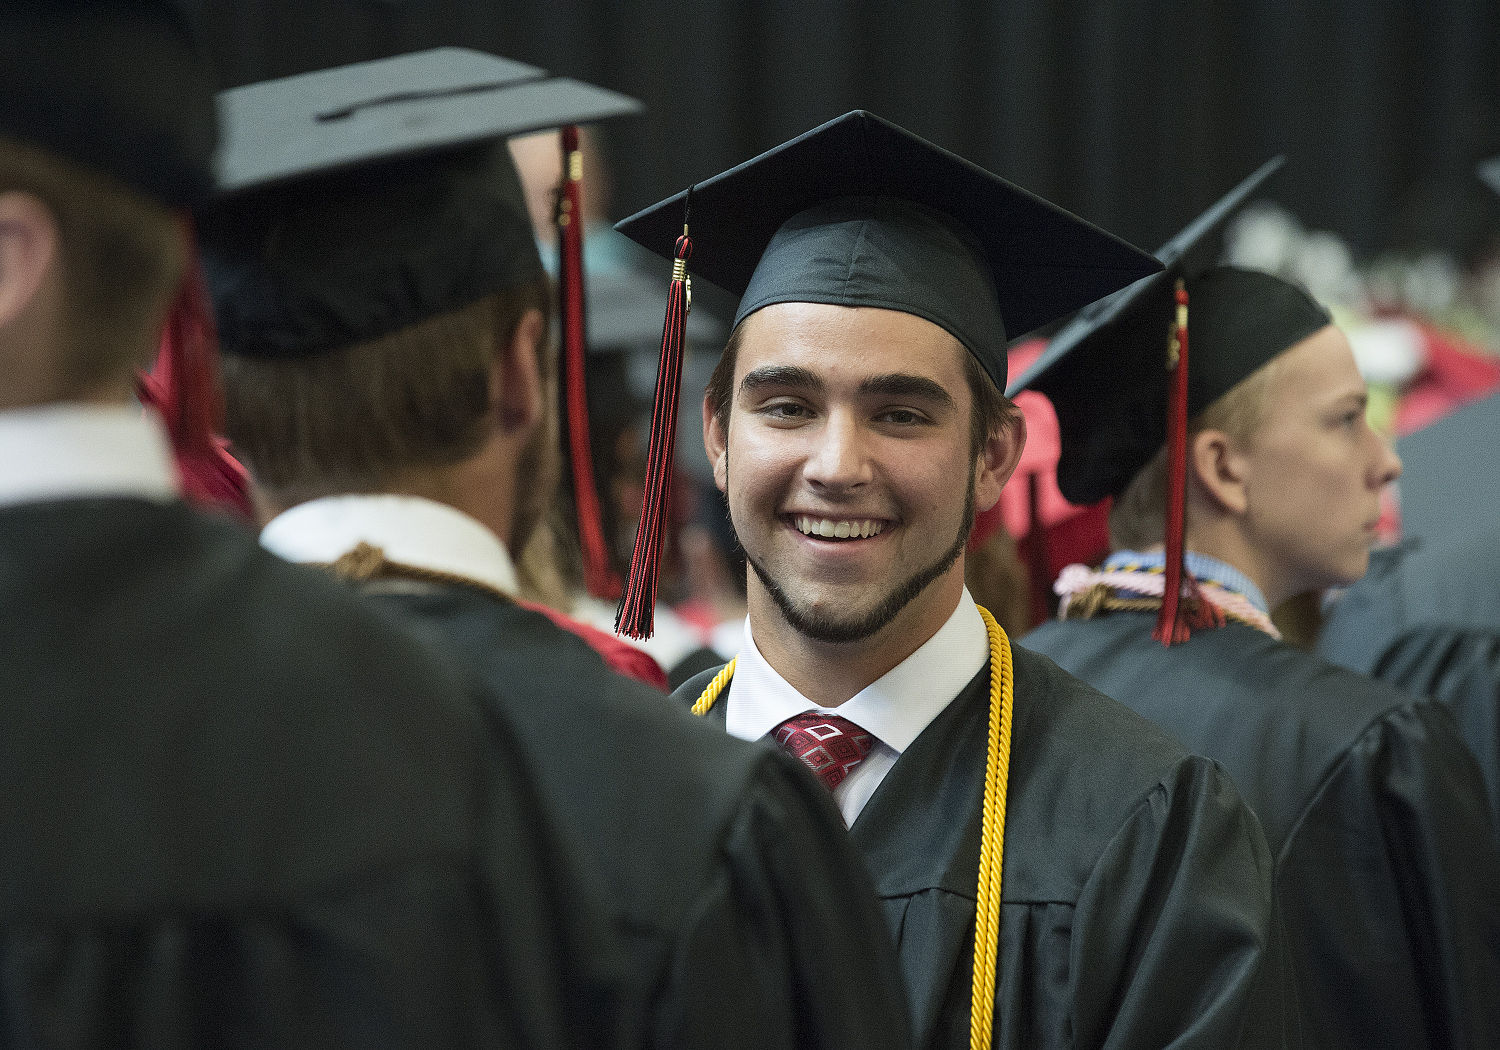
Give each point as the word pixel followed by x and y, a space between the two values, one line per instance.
pixel 1134 115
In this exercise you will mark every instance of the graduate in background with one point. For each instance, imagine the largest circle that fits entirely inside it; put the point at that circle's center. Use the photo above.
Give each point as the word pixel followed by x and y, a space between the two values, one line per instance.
pixel 1056 871
pixel 1226 416
pixel 237 807
pixel 383 316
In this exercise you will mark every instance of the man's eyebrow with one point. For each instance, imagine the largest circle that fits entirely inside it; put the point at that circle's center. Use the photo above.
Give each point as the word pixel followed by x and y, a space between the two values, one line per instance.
pixel 780 375
pixel 901 384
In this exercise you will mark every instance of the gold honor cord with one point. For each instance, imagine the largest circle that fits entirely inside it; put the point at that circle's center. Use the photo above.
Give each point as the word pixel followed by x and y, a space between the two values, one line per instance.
pixel 992 835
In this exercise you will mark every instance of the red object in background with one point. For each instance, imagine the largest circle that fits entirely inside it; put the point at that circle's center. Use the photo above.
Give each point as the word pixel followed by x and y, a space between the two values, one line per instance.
pixel 1068 533
pixel 183 388
pixel 621 657
pixel 1454 373
pixel 599 579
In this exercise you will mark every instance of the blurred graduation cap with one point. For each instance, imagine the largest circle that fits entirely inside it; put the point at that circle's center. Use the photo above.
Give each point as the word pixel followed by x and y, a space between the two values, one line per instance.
pixel 120 88
pixel 361 200
pixel 1489 173
pixel 1118 374
pixel 860 212
pixel 116 86
pixel 1448 479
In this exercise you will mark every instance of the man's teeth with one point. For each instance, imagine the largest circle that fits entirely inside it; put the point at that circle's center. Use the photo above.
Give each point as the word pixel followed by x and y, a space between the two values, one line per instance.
pixel 829 528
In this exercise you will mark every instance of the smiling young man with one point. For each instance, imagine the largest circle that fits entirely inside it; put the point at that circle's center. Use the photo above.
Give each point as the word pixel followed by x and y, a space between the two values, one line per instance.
pixel 856 426
pixel 388 399
pixel 1375 812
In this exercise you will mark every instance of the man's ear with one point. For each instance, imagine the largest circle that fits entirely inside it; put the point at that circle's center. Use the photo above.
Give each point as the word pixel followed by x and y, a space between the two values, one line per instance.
pixel 1216 464
pixel 716 444
pixel 998 458
pixel 28 251
pixel 516 388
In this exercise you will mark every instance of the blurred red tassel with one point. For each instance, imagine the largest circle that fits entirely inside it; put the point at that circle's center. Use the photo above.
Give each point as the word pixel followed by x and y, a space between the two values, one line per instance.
pixel 183 389
pixel 1179 613
pixel 598 577
pixel 635 617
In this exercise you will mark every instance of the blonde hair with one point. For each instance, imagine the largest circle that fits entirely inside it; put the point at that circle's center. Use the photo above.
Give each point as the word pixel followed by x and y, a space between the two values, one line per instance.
pixel 1138 517
pixel 121 258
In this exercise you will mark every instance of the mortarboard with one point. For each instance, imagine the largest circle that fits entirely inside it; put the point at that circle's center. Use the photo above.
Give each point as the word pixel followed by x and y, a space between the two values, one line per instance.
pixel 860 212
pixel 116 86
pixel 1448 480
pixel 119 87
pixel 1118 373
pixel 360 200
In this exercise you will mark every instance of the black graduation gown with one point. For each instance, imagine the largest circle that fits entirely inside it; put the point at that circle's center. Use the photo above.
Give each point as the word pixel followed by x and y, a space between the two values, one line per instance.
pixel 240 809
pixel 1426 618
pixel 1135 896
pixel 745 914
pixel 1386 867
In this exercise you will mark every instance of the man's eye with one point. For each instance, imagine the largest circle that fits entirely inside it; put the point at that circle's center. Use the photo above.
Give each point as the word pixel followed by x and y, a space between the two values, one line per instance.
pixel 901 416
pixel 785 410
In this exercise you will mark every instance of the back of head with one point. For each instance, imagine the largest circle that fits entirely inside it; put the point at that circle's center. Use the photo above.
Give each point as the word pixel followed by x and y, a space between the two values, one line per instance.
pixel 1242 322
pixel 361 313
pixel 370 257
pixel 108 121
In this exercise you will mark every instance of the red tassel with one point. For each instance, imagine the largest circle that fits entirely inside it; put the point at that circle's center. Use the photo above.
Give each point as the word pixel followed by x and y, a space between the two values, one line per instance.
pixel 637 607
pixel 183 388
pixel 1172 625
pixel 598 577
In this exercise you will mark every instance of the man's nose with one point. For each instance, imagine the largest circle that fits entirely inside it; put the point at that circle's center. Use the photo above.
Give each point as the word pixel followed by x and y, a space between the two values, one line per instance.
pixel 1387 463
pixel 840 459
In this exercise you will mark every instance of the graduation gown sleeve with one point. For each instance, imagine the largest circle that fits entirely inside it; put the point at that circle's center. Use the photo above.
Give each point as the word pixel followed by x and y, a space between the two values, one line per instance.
pixel 1400 837
pixel 1173 927
pixel 1461 669
pixel 1374 809
pixel 724 873
pixel 787 947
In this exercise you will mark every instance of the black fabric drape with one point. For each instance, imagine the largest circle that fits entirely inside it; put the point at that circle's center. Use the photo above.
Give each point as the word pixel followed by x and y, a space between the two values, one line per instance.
pixel 1135 115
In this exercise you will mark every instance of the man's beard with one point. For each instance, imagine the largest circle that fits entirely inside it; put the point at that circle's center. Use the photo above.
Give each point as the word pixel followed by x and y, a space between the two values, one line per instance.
pixel 823 627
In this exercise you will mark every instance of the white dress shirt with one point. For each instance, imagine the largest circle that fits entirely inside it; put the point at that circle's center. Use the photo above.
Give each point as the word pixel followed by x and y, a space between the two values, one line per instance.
pixel 410 530
pixel 894 709
pixel 71 450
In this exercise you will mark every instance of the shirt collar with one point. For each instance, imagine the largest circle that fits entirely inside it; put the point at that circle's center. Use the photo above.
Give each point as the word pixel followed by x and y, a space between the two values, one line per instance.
pixel 410 530
pixel 1200 565
pixel 74 450
pixel 894 709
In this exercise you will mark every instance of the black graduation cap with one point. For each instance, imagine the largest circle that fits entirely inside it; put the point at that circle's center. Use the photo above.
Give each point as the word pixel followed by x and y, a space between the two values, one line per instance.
pixel 1448 479
pixel 1106 372
pixel 117 86
pixel 860 212
pixel 359 200
pixel 1124 382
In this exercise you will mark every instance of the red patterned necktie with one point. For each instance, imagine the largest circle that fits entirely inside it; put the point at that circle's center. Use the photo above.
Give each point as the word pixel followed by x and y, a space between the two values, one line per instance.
pixel 830 746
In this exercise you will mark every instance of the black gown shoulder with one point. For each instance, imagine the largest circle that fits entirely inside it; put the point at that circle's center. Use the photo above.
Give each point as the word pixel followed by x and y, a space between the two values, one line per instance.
pixel 746 915
pixel 1136 899
pixel 1426 618
pixel 240 808
pixel 1374 810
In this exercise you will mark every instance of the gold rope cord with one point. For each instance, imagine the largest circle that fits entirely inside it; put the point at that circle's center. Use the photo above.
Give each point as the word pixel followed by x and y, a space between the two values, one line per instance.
pixel 992 837
pixel 992 834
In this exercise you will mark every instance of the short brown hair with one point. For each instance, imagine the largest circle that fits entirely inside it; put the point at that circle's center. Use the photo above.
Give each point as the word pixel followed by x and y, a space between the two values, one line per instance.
pixel 121 255
pixel 357 418
pixel 991 410
pixel 1138 517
